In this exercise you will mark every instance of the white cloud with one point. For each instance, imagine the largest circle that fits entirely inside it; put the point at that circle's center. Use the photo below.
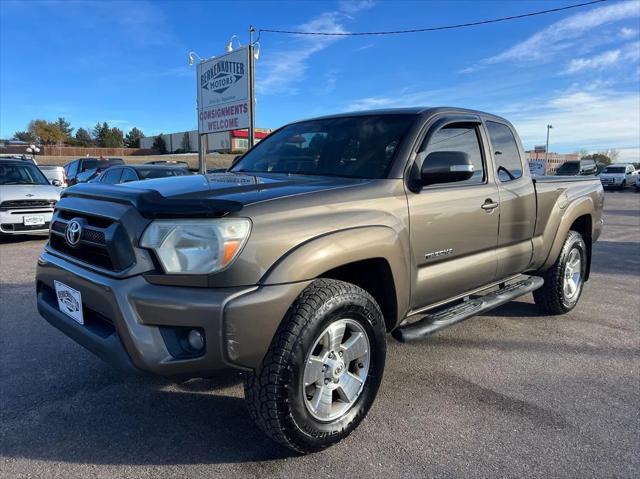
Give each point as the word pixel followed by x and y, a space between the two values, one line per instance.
pixel 543 45
pixel 628 32
pixel 597 62
pixel 583 119
pixel 591 116
pixel 284 66
pixel 354 6
pixel 630 52
pixel 629 154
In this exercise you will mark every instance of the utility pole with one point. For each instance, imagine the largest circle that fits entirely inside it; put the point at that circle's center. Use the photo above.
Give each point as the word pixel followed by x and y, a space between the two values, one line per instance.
pixel 252 91
pixel 546 149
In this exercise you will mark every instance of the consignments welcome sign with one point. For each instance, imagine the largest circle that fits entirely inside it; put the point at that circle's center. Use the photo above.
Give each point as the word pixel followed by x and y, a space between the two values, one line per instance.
pixel 223 92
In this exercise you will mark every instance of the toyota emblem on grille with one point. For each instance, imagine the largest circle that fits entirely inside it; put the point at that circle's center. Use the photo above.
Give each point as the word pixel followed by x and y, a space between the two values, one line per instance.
pixel 73 232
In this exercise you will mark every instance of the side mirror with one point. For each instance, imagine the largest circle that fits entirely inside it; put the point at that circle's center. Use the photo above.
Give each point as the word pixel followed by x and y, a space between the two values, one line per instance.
pixel 446 167
pixel 56 182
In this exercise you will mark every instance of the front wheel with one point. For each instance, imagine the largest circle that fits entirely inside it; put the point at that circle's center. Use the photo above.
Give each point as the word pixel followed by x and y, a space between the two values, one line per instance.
pixel 323 369
pixel 563 282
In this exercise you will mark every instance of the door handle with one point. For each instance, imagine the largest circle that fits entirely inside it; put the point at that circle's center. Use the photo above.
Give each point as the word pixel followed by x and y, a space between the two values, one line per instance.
pixel 489 205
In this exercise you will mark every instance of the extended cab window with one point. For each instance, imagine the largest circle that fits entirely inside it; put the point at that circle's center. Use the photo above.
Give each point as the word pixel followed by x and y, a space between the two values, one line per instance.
pixel 457 137
pixel 505 151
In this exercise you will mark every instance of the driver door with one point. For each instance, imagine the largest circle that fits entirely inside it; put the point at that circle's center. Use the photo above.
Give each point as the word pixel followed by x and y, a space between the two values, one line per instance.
pixel 453 226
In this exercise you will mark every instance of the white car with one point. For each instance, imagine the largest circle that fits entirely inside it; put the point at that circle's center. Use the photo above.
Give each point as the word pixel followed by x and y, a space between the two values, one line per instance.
pixel 618 176
pixel 55 174
pixel 637 183
pixel 27 198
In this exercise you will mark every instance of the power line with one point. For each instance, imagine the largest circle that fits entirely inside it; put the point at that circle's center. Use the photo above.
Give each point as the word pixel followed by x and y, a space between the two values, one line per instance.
pixel 433 29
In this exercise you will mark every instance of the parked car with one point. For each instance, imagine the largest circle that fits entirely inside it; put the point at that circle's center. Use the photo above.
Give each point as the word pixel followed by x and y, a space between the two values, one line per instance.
pixel 618 176
pixel 30 159
pixel 584 167
pixel 125 174
pixel 26 198
pixel 294 264
pixel 83 170
pixel 55 174
pixel 183 164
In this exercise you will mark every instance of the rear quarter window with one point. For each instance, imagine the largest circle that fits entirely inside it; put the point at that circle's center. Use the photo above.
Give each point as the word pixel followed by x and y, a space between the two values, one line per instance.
pixel 505 151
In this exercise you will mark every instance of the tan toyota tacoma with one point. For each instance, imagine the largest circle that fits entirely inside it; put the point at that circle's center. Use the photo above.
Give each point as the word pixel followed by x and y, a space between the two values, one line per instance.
pixel 295 263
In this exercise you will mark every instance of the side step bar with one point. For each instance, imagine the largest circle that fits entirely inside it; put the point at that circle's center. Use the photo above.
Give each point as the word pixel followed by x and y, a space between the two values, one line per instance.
pixel 461 311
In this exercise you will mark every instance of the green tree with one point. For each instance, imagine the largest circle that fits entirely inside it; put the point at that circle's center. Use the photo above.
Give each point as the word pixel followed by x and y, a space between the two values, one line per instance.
pixel 65 126
pixel 100 131
pixel 159 144
pixel 132 139
pixel 25 136
pixel 186 143
pixel 113 138
pixel 83 137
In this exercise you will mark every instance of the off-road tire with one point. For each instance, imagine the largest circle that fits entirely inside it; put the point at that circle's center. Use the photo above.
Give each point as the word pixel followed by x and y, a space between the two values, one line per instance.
pixel 274 394
pixel 551 298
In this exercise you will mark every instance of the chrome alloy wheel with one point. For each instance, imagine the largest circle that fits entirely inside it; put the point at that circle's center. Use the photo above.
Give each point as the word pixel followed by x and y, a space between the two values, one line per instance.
pixel 572 274
pixel 336 370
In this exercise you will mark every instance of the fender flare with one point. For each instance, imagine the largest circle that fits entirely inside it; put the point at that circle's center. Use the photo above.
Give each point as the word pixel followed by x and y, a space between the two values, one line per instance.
pixel 575 210
pixel 320 254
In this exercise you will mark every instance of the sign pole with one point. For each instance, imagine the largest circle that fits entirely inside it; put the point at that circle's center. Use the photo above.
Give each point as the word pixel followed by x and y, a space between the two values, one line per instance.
pixel 202 153
pixel 202 147
pixel 252 93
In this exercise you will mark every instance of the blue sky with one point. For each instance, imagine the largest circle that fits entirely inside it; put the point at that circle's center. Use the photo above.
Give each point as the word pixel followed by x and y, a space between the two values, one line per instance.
pixel 126 63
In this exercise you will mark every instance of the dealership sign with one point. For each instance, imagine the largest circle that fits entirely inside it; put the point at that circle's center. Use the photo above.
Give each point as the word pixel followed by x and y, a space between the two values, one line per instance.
pixel 223 92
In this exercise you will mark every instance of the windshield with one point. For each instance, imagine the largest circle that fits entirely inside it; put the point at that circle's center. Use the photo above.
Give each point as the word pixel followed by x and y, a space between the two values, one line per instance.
pixel 569 168
pixel 614 169
pixel 354 147
pixel 161 173
pixel 21 174
pixel 93 163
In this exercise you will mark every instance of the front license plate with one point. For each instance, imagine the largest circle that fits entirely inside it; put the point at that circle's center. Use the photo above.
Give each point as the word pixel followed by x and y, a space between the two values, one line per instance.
pixel 33 220
pixel 69 301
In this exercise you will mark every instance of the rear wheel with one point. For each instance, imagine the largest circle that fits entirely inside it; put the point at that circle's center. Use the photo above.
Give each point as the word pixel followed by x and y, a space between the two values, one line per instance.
pixel 323 369
pixel 563 282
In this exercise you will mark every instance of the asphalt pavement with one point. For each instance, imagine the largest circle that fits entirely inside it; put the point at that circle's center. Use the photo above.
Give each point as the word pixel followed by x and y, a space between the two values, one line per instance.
pixel 508 394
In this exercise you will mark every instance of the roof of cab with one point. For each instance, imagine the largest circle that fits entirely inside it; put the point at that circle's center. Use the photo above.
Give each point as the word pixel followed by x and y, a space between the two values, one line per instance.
pixel 416 110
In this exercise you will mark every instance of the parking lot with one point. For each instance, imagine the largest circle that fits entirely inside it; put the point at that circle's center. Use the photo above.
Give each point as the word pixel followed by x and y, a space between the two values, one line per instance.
pixel 508 394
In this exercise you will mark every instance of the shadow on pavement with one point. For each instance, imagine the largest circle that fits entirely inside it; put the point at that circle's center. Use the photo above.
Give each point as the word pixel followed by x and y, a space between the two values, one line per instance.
pixel 12 239
pixel 135 423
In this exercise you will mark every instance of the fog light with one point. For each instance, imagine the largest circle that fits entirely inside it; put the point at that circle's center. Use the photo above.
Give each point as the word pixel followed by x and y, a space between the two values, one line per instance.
pixel 196 339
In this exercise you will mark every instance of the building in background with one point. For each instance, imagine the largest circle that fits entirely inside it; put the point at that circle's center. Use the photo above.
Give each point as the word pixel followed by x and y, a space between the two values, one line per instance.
pixel 537 163
pixel 235 141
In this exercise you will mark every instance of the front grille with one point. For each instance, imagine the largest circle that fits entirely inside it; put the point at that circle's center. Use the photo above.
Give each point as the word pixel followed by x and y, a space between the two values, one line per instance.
pixel 26 204
pixel 96 255
pixel 21 227
pixel 102 242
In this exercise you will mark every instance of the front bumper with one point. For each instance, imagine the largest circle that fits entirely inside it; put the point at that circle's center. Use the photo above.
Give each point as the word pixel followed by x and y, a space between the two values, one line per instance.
pixel 612 182
pixel 128 321
pixel 12 222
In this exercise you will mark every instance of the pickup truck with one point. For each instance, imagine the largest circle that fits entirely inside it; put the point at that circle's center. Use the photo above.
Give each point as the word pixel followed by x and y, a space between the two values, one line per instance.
pixel 295 263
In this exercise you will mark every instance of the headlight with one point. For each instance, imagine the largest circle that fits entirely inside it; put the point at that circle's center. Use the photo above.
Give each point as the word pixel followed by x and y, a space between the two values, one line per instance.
pixel 196 246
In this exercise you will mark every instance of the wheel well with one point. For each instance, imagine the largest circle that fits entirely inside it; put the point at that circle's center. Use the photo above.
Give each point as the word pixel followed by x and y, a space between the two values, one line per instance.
pixel 583 225
pixel 375 277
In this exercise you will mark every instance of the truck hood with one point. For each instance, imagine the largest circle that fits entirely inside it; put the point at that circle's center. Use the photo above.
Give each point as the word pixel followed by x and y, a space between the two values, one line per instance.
pixel 207 195
pixel 29 192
